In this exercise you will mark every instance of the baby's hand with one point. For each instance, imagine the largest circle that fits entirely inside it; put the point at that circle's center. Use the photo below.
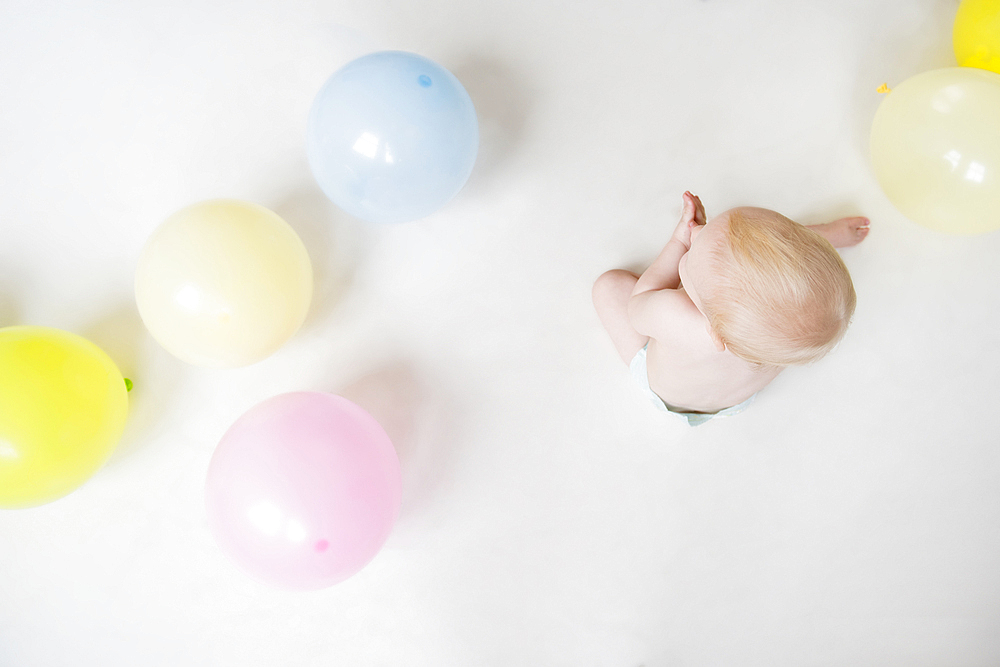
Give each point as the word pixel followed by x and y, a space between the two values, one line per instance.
pixel 692 215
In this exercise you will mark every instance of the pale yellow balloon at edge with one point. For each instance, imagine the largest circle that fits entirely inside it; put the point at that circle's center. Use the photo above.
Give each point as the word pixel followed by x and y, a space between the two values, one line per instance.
pixel 976 34
pixel 63 405
pixel 935 146
pixel 223 283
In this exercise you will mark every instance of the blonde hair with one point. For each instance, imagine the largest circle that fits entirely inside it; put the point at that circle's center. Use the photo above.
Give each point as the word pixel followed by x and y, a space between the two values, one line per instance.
pixel 783 295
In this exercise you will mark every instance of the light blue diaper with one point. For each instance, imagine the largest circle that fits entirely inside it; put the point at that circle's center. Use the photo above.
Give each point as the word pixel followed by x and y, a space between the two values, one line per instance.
pixel 641 376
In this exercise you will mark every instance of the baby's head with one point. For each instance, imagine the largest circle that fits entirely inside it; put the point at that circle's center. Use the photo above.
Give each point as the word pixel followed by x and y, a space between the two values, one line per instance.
pixel 775 292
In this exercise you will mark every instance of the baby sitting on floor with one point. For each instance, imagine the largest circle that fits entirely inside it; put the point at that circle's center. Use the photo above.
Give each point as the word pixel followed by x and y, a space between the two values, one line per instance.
pixel 727 304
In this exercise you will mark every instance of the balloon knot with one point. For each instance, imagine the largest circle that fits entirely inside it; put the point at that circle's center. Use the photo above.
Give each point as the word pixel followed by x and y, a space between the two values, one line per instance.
pixel 884 88
pixel 128 385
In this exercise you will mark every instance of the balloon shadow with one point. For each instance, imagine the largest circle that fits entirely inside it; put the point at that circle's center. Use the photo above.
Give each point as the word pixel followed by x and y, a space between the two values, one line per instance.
pixel 154 374
pixel 347 44
pixel 415 418
pixel 10 311
pixel 503 101
pixel 919 41
pixel 334 242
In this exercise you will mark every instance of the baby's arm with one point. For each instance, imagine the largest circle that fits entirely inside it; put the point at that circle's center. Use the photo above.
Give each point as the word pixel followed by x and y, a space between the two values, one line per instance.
pixel 662 273
pixel 655 295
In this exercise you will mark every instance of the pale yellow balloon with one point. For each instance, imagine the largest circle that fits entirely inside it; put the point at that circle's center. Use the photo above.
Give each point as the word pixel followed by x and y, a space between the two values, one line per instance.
pixel 223 283
pixel 976 34
pixel 935 145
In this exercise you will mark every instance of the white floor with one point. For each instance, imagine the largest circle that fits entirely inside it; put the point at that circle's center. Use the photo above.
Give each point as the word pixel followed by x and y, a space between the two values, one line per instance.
pixel 550 516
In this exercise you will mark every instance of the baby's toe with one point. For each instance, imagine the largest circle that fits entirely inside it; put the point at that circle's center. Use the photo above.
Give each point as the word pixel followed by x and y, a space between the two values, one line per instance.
pixel 857 228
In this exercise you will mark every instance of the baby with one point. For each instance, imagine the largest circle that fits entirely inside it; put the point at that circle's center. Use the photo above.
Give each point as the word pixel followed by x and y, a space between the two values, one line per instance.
pixel 727 304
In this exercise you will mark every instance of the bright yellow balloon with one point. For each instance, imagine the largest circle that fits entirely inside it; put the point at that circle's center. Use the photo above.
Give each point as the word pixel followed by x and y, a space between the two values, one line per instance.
pixel 223 283
pixel 63 404
pixel 976 35
pixel 935 146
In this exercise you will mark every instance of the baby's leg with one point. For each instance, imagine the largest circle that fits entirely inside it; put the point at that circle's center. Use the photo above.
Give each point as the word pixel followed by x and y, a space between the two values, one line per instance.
pixel 843 233
pixel 611 294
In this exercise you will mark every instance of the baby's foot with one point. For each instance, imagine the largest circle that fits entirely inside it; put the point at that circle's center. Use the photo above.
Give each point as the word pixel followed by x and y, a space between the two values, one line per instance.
pixel 845 232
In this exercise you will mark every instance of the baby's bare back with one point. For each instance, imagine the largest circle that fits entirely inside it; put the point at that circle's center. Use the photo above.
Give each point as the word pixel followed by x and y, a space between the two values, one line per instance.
pixel 689 373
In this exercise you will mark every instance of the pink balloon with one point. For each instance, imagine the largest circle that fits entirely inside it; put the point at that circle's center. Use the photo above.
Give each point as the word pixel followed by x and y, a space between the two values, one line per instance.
pixel 303 489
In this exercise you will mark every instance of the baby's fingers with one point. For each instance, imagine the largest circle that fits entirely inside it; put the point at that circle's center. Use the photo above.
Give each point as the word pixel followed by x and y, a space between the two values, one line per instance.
pixel 689 211
pixel 699 211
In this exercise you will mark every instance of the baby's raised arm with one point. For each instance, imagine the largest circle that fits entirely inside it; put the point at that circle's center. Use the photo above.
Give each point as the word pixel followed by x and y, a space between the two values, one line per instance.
pixel 655 293
pixel 662 273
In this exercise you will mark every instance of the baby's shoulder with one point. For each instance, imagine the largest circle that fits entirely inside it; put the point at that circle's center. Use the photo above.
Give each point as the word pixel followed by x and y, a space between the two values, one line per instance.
pixel 670 314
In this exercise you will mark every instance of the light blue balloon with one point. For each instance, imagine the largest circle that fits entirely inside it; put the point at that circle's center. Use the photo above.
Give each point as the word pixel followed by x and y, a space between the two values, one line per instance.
pixel 392 137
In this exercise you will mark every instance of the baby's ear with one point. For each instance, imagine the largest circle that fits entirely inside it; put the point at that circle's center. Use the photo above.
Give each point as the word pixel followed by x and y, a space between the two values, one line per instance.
pixel 720 344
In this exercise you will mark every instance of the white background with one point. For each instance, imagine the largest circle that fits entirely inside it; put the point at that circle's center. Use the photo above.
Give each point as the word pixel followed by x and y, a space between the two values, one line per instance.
pixel 550 516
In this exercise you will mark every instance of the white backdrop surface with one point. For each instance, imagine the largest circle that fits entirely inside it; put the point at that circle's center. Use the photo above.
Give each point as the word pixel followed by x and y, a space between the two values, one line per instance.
pixel 550 516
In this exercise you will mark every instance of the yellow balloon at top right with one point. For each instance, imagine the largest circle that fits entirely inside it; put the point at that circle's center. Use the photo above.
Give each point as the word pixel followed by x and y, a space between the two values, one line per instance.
pixel 976 35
